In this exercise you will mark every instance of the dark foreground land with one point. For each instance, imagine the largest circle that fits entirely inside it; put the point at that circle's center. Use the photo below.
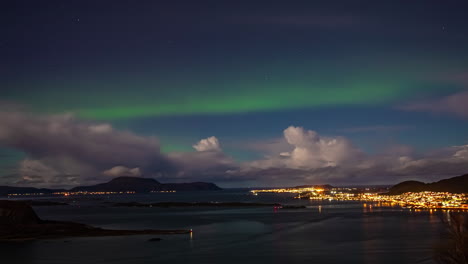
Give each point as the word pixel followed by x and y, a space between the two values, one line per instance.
pixel 18 221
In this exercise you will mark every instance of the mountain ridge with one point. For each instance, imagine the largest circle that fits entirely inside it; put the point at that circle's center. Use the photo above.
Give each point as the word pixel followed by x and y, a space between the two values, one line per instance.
pixel 458 184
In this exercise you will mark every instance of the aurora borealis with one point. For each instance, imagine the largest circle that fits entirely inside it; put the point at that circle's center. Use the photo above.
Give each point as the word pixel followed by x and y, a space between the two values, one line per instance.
pixel 181 71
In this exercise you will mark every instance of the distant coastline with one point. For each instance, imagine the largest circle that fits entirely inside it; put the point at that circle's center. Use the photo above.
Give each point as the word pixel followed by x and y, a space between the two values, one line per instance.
pixel 116 185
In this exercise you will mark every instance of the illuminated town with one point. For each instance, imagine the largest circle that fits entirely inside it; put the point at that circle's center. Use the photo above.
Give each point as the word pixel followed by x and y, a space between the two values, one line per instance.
pixel 416 200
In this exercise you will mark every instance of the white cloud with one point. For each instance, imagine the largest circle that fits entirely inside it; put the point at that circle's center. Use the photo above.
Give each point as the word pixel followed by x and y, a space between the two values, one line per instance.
pixel 100 128
pixel 461 152
pixel 208 144
pixel 208 161
pixel 310 151
pixel 319 159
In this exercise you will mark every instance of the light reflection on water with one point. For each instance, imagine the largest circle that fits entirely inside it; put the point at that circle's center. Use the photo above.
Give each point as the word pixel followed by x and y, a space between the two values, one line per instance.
pixel 323 232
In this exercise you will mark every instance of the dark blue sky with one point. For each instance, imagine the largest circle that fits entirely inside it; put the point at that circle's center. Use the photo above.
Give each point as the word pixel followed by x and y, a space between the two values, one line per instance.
pixel 381 75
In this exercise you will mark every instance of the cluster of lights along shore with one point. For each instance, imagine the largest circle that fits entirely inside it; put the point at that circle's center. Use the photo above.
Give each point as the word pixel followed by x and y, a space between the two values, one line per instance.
pixel 416 200
pixel 70 193
pixel 83 193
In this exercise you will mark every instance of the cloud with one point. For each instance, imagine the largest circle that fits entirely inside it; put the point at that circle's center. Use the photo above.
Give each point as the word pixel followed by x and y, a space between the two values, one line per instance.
pixel 309 150
pixel 63 151
pixel 63 145
pixel 208 144
pixel 378 128
pixel 455 104
pixel 43 173
pixel 271 146
pixel 446 162
pixel 318 159
pixel 118 171
pixel 208 162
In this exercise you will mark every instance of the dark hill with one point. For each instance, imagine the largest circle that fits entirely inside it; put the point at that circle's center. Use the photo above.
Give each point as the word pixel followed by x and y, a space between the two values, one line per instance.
pixel 17 213
pixel 457 184
pixel 408 186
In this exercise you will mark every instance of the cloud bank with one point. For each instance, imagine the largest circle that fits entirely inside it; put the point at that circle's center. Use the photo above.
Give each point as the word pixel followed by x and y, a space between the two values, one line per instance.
pixel 317 159
pixel 64 151
pixel 456 104
pixel 62 147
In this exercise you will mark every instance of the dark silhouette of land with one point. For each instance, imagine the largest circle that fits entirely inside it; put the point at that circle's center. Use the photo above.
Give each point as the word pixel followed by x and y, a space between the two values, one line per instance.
pixel 457 184
pixel 18 221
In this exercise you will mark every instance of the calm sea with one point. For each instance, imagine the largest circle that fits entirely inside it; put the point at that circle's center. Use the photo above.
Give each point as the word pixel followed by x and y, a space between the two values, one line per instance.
pixel 324 232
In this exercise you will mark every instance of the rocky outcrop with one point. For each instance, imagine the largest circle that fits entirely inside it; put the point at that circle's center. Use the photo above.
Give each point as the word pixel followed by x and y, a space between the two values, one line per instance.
pixel 17 213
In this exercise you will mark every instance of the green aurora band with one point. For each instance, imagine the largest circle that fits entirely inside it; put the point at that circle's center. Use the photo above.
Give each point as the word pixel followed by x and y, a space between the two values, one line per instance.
pixel 124 96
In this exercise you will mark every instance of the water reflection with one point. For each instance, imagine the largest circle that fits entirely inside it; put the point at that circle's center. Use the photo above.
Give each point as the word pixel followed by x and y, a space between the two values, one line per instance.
pixel 326 232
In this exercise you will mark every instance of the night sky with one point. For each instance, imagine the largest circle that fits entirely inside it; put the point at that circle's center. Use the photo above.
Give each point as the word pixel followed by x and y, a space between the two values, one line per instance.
pixel 240 93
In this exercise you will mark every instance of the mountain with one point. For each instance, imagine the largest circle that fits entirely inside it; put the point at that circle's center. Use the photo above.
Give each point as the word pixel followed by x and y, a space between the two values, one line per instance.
pixel 457 184
pixel 5 190
pixel 137 184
